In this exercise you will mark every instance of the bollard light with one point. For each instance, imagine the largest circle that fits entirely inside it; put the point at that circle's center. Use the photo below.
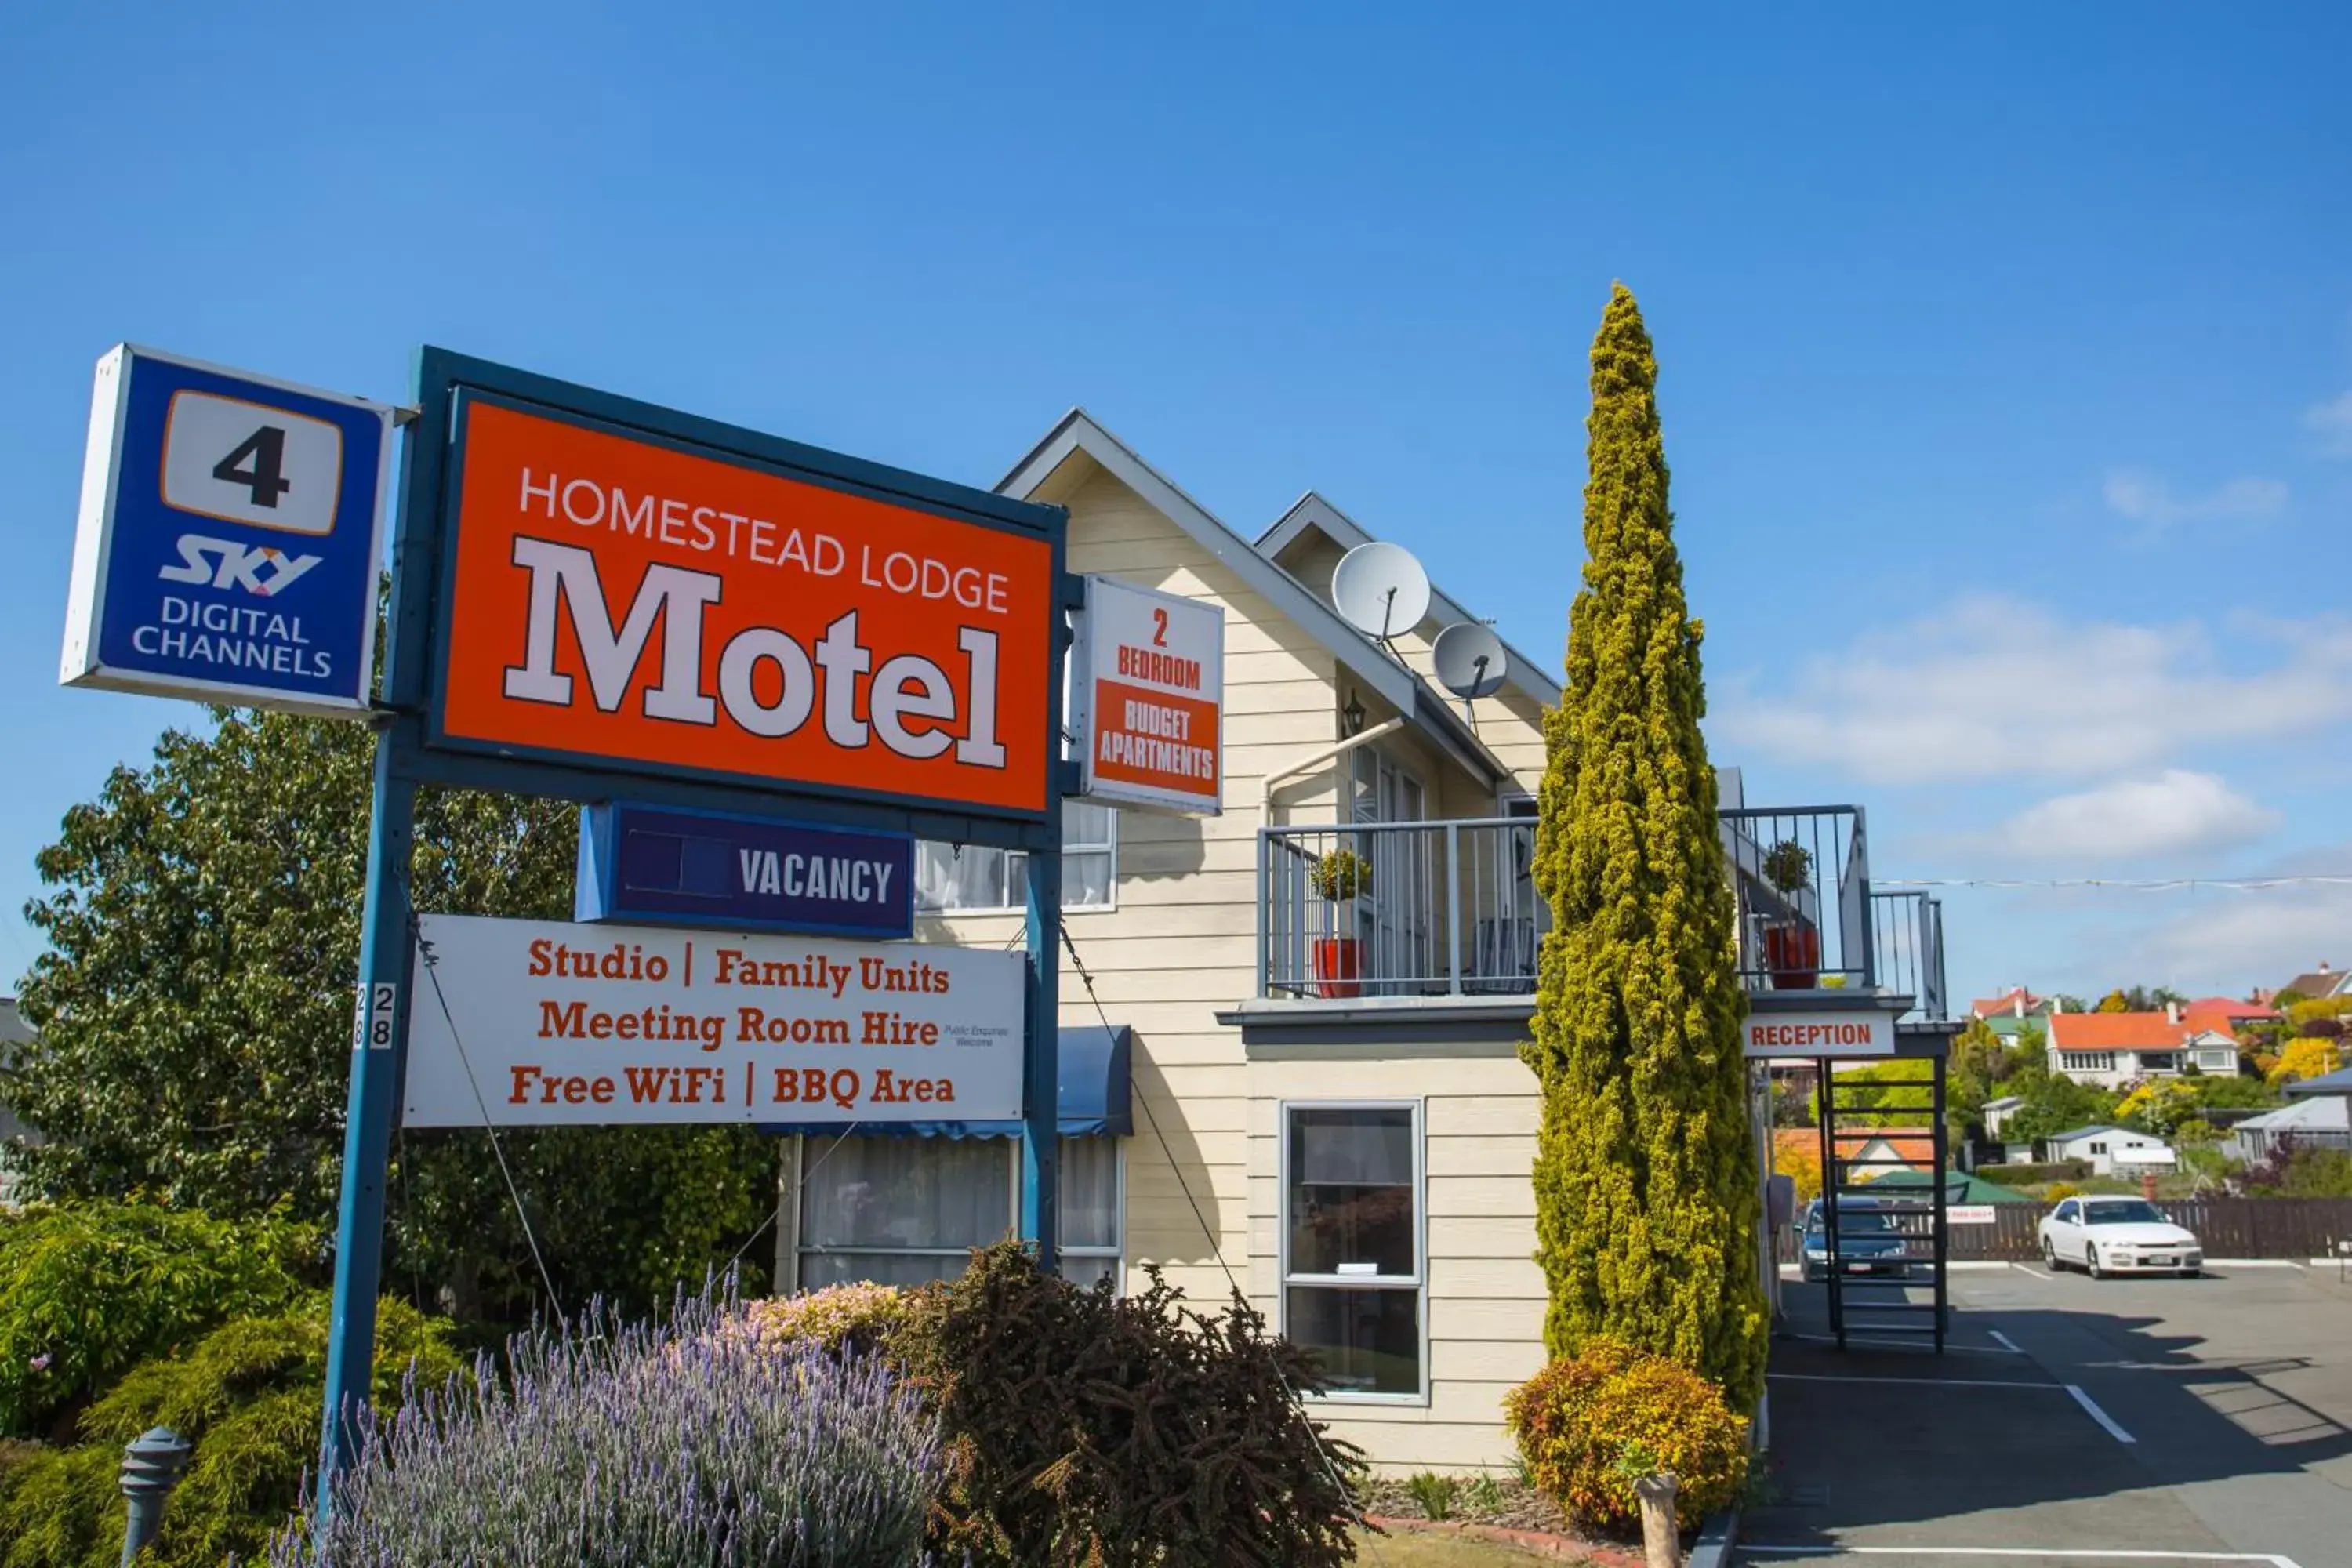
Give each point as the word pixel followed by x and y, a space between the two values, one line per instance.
pixel 152 1465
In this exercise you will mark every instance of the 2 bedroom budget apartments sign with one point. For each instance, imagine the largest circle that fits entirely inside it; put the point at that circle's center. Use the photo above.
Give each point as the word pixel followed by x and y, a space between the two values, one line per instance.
pixel 619 601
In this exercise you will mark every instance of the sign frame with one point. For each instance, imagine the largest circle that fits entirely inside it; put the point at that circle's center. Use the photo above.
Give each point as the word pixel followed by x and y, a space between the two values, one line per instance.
pixel 451 384
pixel 81 659
pixel 600 899
pixel 1125 793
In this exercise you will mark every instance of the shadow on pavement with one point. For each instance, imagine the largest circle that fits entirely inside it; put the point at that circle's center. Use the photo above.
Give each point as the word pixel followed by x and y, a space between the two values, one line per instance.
pixel 1948 1442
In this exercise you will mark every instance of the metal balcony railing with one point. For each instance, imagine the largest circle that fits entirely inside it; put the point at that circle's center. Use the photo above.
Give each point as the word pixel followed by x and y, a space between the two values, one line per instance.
pixel 1803 875
pixel 1907 949
pixel 1399 909
pixel 1450 909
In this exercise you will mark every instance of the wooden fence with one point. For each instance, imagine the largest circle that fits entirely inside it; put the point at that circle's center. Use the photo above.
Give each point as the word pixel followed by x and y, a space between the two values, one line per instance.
pixel 2228 1227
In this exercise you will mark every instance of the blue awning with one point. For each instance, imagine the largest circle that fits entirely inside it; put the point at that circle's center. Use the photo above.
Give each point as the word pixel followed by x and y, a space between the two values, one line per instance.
pixel 1094 1101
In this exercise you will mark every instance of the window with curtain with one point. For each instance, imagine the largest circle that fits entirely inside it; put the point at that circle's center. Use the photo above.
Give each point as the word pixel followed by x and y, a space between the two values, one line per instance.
pixel 905 1211
pixel 968 879
pixel 1351 1220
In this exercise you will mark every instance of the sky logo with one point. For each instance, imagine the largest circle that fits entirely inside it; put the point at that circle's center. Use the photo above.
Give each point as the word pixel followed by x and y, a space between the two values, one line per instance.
pixel 262 570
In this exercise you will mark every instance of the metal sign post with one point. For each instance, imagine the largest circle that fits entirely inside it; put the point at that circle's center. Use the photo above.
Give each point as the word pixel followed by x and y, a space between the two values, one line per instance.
pixel 379 1042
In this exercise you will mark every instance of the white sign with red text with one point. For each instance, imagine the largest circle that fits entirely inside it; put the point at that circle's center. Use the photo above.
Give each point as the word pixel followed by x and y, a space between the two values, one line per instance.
pixel 551 1023
pixel 1846 1034
pixel 1150 699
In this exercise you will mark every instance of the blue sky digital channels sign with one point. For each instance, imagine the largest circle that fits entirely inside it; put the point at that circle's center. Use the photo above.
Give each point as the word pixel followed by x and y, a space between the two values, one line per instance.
pixel 230 538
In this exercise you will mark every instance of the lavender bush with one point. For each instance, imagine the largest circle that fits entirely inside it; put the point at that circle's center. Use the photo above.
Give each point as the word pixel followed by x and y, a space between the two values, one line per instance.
pixel 644 1446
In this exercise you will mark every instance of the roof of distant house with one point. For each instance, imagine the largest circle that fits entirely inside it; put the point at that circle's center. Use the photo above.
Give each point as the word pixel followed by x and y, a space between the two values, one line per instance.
pixel 2326 1113
pixel 2337 1083
pixel 2320 982
pixel 2004 1102
pixel 2224 1014
pixel 2068 1137
pixel 2126 1031
pixel 2012 1001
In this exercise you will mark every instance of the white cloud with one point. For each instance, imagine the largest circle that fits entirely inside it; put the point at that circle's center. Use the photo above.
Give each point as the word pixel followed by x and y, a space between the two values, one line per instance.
pixel 2148 499
pixel 1999 687
pixel 2332 422
pixel 2173 812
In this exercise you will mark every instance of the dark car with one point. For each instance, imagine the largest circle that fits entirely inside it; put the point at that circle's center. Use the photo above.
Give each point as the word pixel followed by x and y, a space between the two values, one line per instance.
pixel 1868 1239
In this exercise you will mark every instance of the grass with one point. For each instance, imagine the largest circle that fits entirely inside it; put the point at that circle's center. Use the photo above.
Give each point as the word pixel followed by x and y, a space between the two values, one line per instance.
pixel 1405 1550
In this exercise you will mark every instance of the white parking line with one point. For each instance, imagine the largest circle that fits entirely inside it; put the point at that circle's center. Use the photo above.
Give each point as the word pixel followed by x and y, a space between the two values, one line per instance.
pixel 2102 1418
pixel 2011 1344
pixel 2007 1349
pixel 2089 1405
pixel 2080 1553
pixel 2021 1268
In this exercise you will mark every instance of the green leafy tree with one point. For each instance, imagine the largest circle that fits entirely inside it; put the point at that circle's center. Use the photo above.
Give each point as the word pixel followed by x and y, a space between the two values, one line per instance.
pixel 193 1018
pixel 1646 1183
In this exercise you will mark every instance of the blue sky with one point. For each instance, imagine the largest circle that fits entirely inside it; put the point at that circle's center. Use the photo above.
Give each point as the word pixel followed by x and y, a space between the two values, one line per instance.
pixel 2007 357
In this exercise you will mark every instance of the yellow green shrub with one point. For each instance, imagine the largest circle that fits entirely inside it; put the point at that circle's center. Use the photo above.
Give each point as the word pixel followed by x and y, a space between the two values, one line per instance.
pixel 1589 1425
pixel 858 1317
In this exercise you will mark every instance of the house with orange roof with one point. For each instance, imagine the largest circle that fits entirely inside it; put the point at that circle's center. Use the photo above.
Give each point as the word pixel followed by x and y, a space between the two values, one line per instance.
pixel 2112 1049
pixel 2017 1002
pixel 2226 1014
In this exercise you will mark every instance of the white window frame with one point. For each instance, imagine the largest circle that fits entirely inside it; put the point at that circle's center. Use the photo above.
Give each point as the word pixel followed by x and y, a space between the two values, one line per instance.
pixel 1419 1285
pixel 2085 1061
pixel 1116 1252
pixel 1108 846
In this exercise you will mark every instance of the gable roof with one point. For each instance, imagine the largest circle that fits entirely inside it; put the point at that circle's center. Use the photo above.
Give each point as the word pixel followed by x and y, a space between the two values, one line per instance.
pixel 2117 1032
pixel 1400 688
pixel 2006 1004
pixel 2222 1013
pixel 2320 982
pixel 2069 1137
pixel 1311 510
pixel 2326 1113
pixel 2338 1082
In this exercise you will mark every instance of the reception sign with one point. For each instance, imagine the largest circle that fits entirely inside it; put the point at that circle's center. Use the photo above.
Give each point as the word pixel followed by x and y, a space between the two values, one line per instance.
pixel 551 1023
pixel 1150 699
pixel 621 600
pixel 1853 1033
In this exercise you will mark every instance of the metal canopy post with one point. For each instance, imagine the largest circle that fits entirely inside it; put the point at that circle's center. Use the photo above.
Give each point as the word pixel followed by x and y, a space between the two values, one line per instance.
pixel 1041 1077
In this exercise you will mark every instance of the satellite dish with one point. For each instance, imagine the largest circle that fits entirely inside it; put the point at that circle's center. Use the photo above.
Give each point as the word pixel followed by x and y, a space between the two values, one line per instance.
pixel 1380 590
pixel 1470 660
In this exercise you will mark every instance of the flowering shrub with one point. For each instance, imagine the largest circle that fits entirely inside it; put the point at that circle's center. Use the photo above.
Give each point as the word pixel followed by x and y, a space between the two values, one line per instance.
pixel 635 1444
pixel 1580 1418
pixel 858 1318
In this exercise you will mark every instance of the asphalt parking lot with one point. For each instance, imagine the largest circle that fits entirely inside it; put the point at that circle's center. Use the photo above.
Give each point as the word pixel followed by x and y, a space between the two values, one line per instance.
pixel 2072 1422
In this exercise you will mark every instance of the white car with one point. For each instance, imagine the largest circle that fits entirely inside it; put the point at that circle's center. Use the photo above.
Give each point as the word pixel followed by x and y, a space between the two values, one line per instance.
pixel 2119 1236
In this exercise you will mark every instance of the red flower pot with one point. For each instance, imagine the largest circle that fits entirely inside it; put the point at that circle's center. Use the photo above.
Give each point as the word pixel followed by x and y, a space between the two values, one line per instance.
pixel 1792 953
pixel 1338 966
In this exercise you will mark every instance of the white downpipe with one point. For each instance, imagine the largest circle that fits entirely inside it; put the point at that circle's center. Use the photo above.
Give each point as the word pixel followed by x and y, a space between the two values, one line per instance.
pixel 1273 780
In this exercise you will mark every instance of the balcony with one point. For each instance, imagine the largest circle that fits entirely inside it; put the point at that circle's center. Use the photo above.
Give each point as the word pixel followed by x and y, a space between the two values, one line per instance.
pixel 1399 909
pixel 1449 909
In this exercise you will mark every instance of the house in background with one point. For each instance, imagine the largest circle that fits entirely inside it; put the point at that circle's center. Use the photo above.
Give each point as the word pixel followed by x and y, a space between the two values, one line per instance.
pixel 2011 1013
pixel 2112 1049
pixel 2320 982
pixel 2227 1014
pixel 2318 1114
pixel 2114 1150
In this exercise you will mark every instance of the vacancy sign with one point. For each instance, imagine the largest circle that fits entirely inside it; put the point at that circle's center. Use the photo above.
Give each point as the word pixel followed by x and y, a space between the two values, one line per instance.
pixel 230 540
pixel 1151 683
pixel 1853 1034
pixel 551 1023
pixel 622 602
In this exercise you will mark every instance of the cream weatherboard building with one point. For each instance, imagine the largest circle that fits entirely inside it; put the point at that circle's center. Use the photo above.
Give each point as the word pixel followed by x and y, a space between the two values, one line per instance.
pixel 1291 1055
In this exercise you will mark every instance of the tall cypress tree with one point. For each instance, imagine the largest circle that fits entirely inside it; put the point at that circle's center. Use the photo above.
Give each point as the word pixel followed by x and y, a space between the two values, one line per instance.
pixel 1645 1178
